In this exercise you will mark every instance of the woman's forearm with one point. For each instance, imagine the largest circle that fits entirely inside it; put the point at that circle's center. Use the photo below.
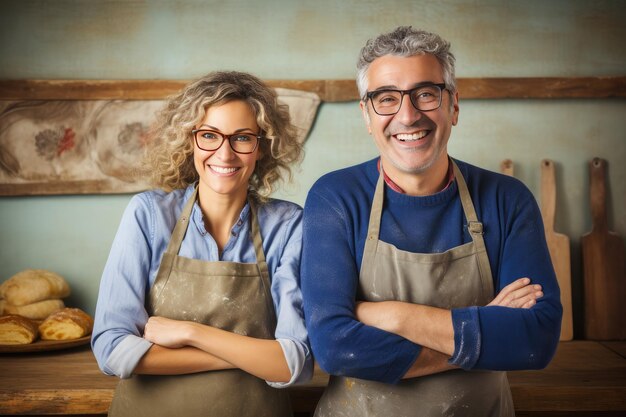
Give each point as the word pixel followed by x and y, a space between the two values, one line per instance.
pixel 260 357
pixel 160 360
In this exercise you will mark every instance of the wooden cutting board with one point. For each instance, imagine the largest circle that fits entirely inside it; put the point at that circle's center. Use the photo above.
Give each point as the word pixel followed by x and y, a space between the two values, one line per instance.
pixel 506 167
pixel 603 261
pixel 559 246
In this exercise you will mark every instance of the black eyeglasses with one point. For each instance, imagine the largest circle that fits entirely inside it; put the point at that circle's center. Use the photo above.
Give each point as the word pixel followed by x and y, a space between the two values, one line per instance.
pixel 210 140
pixel 387 102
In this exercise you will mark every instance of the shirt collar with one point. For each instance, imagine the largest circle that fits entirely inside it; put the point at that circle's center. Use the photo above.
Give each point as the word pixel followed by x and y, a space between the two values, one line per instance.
pixel 398 189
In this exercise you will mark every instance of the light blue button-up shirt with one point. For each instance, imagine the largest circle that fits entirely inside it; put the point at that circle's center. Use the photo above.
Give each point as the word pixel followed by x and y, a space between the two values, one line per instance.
pixel 142 238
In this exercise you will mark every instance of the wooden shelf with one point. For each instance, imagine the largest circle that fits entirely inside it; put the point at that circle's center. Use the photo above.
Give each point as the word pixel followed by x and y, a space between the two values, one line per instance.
pixel 585 378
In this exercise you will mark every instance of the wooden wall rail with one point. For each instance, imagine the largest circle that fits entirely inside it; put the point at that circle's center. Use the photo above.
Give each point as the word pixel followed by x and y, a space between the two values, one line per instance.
pixel 328 90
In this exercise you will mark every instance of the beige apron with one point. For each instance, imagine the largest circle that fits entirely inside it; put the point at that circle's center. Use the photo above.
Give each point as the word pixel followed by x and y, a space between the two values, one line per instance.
pixel 229 295
pixel 459 277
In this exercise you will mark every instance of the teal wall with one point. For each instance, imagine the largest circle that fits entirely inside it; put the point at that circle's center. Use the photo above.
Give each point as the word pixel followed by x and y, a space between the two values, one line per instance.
pixel 283 39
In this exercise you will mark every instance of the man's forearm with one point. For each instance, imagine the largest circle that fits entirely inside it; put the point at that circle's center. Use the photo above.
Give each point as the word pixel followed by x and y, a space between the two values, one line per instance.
pixel 426 326
pixel 429 362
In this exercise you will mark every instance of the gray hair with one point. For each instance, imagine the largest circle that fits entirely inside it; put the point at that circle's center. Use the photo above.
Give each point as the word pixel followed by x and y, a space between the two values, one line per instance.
pixel 405 41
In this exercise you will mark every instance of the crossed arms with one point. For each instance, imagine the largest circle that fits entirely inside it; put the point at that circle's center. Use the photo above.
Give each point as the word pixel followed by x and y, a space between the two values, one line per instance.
pixel 185 347
pixel 431 327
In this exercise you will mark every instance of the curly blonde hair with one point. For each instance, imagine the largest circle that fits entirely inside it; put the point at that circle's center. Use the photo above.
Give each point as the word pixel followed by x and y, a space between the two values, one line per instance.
pixel 170 156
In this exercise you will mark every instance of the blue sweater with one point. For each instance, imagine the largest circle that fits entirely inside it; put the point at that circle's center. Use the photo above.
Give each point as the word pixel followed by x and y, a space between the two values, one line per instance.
pixel 335 225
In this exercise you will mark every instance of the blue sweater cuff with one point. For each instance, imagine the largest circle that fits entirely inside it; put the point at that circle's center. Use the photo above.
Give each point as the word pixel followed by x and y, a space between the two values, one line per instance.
pixel 466 337
pixel 401 365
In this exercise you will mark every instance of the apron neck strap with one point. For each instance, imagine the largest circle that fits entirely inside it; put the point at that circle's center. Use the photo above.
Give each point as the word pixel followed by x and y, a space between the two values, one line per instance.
pixel 474 227
pixel 178 234
pixel 255 232
pixel 373 230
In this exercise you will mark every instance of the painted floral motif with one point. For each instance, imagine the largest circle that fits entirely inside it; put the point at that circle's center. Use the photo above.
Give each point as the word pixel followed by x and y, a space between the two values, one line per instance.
pixel 52 143
pixel 133 137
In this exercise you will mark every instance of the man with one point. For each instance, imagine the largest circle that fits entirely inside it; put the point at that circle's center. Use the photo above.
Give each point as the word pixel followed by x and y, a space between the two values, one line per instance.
pixel 403 256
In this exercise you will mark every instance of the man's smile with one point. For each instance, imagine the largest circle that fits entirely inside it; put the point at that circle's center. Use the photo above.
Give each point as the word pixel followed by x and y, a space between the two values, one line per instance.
pixel 409 137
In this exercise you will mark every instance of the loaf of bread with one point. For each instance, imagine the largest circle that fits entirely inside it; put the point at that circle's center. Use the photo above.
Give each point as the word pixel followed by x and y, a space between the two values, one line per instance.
pixel 33 285
pixel 66 324
pixel 17 330
pixel 36 311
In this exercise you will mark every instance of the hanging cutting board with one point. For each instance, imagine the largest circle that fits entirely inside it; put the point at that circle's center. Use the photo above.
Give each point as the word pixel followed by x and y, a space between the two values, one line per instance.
pixel 559 246
pixel 603 261
pixel 506 167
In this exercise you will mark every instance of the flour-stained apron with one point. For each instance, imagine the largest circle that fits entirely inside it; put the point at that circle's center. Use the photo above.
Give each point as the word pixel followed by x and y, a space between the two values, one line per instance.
pixel 228 295
pixel 459 277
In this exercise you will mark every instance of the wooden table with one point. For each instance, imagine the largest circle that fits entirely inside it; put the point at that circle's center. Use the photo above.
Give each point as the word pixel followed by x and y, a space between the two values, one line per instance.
pixel 584 379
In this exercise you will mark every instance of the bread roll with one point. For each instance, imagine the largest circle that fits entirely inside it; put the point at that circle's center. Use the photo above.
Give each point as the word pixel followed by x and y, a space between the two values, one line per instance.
pixel 17 330
pixel 32 285
pixel 36 311
pixel 66 324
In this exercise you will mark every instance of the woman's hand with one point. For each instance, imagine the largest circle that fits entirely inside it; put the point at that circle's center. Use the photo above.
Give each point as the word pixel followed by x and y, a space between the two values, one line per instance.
pixel 167 332
pixel 518 294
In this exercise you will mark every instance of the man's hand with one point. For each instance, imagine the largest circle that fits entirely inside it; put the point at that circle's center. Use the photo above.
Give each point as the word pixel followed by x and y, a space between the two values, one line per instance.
pixel 518 294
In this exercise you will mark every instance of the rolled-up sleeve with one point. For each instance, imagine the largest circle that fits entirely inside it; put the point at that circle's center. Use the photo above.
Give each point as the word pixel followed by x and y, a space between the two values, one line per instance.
pixel 291 332
pixel 124 358
pixel 120 313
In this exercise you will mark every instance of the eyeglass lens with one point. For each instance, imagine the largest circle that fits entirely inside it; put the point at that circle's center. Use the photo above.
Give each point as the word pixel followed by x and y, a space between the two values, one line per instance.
pixel 387 102
pixel 209 140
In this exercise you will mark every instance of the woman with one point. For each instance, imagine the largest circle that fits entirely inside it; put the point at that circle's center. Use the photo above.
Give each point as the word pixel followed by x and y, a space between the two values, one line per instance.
pixel 207 271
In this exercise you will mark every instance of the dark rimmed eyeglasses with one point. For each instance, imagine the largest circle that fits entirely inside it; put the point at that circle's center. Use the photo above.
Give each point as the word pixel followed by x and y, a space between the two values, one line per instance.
pixel 386 102
pixel 211 140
